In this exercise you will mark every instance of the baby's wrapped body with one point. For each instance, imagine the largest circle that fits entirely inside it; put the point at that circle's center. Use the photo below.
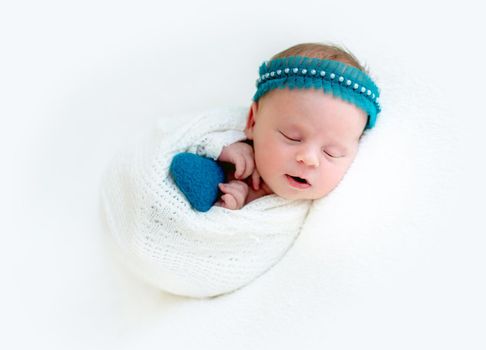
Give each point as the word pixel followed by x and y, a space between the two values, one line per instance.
pixel 177 248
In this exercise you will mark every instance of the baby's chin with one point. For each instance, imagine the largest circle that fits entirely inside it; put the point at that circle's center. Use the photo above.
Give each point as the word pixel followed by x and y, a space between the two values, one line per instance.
pixel 298 195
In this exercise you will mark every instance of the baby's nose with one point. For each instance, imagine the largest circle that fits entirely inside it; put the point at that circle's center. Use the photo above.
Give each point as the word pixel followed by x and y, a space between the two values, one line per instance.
pixel 308 156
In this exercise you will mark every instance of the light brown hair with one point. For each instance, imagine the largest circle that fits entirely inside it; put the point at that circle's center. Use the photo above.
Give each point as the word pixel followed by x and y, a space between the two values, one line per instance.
pixel 322 51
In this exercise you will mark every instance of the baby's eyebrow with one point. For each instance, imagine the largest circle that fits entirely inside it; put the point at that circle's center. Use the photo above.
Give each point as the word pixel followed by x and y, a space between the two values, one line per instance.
pixel 340 147
pixel 298 126
pixel 295 125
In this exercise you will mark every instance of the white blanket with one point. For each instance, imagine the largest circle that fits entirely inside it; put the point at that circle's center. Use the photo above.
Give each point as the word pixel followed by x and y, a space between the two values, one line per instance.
pixel 178 249
pixel 393 259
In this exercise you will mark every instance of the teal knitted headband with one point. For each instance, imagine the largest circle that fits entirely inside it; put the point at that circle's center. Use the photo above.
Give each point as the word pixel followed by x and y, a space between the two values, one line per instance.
pixel 333 77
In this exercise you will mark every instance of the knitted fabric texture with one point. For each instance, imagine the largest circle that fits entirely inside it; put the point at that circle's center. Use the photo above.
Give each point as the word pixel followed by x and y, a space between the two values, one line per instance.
pixel 198 178
pixel 339 79
pixel 177 248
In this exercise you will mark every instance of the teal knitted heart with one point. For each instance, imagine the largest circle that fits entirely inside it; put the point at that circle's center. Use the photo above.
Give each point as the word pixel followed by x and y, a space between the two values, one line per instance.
pixel 197 177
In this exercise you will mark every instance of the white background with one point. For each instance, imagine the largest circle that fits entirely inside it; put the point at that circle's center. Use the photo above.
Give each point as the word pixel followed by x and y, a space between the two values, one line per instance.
pixel 78 78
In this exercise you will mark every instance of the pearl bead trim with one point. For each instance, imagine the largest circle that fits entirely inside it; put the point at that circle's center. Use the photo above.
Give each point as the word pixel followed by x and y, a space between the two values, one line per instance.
pixel 322 73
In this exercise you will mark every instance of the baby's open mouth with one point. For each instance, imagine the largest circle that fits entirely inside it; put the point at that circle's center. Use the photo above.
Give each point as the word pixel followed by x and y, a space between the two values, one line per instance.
pixel 298 182
pixel 299 179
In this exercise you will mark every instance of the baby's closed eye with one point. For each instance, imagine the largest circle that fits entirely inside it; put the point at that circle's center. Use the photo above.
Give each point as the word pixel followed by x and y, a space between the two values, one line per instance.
pixel 289 136
pixel 334 151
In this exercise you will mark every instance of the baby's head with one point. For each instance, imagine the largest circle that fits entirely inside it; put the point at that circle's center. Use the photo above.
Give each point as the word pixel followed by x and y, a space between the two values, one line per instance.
pixel 312 104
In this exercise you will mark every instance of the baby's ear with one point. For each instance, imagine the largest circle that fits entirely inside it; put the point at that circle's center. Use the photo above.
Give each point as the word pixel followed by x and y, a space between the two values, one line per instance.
pixel 250 121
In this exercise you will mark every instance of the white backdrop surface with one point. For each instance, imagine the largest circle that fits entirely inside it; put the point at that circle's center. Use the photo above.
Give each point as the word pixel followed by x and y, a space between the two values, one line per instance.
pixel 393 259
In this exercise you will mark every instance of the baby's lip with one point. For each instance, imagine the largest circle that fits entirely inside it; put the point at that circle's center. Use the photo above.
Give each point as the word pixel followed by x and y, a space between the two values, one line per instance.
pixel 299 177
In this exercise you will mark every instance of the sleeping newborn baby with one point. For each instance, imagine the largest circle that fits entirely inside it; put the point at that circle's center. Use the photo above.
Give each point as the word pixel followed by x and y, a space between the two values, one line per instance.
pixel 303 143
pixel 294 145
pixel 300 142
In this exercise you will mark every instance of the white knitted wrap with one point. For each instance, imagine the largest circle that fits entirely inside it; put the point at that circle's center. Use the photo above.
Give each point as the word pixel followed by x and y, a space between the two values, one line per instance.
pixel 178 249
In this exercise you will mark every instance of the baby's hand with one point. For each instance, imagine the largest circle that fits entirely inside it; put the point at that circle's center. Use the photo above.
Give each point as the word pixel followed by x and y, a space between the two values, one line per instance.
pixel 241 155
pixel 235 193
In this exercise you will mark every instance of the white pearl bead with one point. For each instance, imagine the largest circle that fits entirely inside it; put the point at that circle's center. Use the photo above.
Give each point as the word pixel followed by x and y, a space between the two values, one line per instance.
pixel 348 82
pixel 333 75
pixel 304 71
pixel 322 73
pixel 286 70
pixel 363 89
pixel 368 92
pixel 295 70
pixel 355 86
pixel 341 79
pixel 313 71
pixel 272 74
pixel 279 71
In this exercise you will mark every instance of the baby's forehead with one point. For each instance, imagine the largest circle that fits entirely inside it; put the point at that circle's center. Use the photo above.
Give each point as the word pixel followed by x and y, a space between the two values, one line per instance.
pixel 314 111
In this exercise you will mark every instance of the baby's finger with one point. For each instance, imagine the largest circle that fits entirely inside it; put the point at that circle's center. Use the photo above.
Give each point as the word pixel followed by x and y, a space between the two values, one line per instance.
pixel 249 165
pixel 229 202
pixel 228 188
pixel 238 190
pixel 255 180
pixel 241 186
pixel 239 166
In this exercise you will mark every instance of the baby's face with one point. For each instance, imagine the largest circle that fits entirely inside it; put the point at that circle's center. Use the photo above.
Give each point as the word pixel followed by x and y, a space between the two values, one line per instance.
pixel 304 140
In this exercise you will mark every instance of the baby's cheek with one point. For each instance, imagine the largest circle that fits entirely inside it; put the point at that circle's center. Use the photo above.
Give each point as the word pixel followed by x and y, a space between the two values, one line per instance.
pixel 268 155
pixel 264 162
pixel 335 175
pixel 260 162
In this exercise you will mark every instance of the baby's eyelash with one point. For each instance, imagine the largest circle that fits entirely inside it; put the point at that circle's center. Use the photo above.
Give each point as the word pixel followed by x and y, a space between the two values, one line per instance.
pixel 289 138
pixel 323 150
pixel 332 155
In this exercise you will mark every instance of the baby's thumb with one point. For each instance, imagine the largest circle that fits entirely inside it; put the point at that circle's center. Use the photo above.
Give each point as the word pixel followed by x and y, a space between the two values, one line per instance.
pixel 255 180
pixel 239 167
